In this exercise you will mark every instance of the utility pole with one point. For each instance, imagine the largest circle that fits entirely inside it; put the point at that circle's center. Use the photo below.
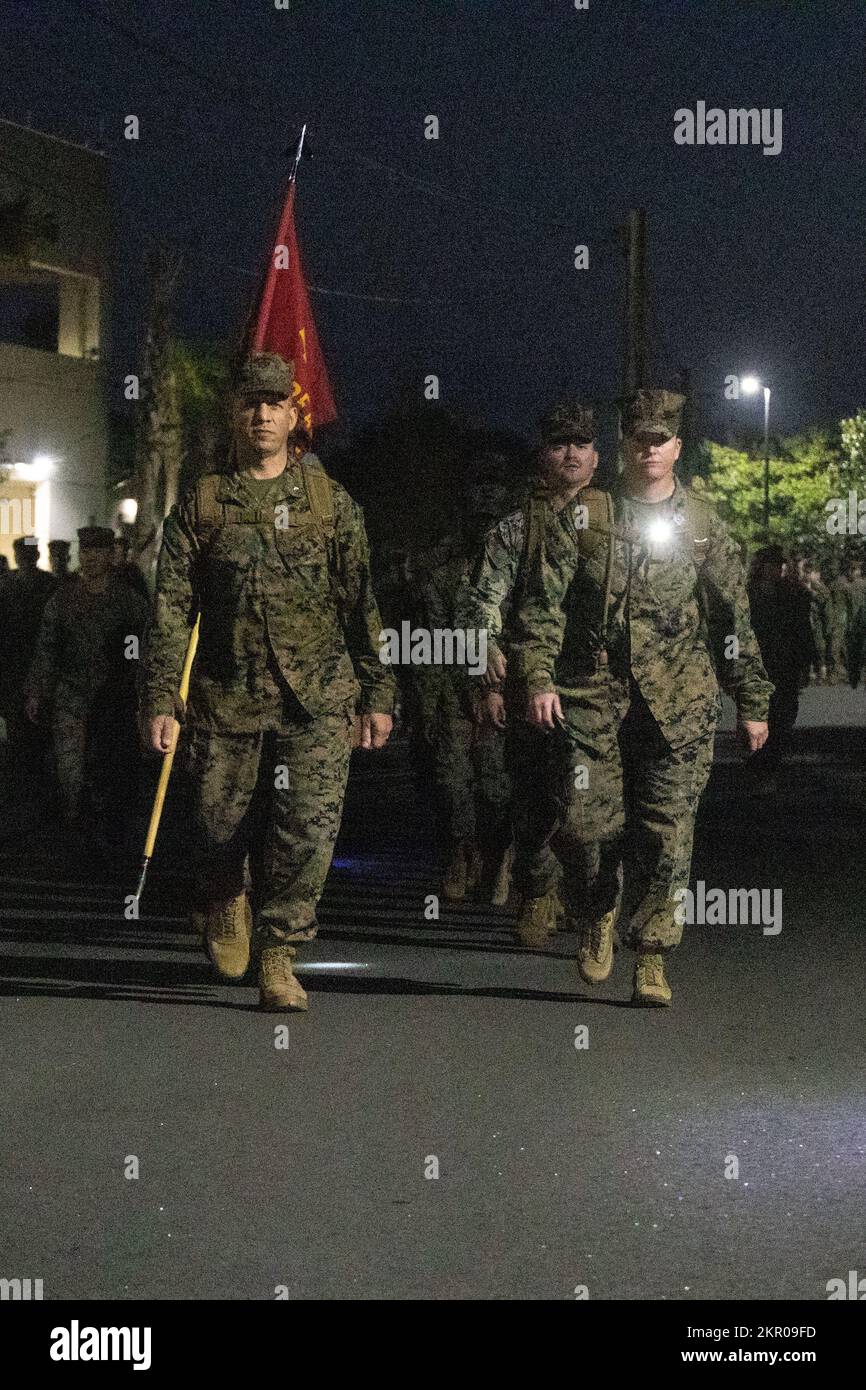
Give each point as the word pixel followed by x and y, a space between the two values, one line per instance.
pixel 635 362
pixel 766 463
pixel 687 427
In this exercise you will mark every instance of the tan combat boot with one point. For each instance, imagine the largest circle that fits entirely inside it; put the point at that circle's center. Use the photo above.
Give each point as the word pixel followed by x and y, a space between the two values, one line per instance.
pixel 595 952
pixel 227 929
pixel 279 986
pixel 536 919
pixel 455 881
pixel 650 986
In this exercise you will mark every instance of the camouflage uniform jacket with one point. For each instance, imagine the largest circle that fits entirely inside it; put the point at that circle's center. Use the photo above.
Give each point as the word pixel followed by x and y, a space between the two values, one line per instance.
pixel 275 592
pixel 839 590
pixel 440 592
pixel 821 617
pixel 83 648
pixel 437 600
pixel 498 573
pixel 486 600
pixel 662 623
pixel 23 597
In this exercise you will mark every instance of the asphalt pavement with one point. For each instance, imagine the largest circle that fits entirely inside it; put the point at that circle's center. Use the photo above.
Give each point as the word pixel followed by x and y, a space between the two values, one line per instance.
pixel 455 1117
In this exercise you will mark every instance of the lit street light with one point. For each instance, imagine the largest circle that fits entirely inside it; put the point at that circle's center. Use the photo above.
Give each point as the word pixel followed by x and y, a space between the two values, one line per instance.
pixel 751 385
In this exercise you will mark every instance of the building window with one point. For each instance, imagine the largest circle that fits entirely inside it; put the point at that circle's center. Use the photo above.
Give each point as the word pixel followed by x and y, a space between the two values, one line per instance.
pixel 30 314
pixel 53 310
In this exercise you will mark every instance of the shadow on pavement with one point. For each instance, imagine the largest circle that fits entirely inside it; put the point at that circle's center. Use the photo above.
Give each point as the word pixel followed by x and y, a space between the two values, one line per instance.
pixel 169 982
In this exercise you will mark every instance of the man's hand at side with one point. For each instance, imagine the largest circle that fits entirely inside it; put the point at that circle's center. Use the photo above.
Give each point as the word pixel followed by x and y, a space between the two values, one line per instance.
pixel 752 733
pixel 544 711
pixel 159 733
pixel 491 711
pixel 372 730
pixel 497 667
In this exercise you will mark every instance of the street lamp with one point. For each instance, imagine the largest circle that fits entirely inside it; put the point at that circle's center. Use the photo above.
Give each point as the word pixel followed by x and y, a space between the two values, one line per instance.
pixel 751 385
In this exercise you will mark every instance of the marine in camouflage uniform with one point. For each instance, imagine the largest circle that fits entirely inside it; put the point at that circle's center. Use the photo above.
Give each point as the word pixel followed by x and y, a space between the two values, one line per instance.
pixel 821 618
pixel 566 459
pixel 84 672
pixel 780 620
pixel 856 640
pixel 24 592
pixel 461 759
pixel 288 656
pixel 58 559
pixel 634 591
pixel 839 590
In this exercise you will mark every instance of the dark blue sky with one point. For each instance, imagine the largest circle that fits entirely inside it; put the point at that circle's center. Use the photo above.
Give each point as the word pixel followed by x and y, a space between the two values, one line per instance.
pixel 553 122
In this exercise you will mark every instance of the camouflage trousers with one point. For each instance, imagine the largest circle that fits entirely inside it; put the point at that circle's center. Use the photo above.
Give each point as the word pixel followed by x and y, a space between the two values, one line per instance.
pixel 267 809
pixel 837 655
pixel 627 803
pixel 73 757
pixel 468 772
pixel 535 806
pixel 97 759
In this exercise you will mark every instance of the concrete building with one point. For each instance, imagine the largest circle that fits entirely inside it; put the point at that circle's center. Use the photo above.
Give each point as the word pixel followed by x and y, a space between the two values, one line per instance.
pixel 55 240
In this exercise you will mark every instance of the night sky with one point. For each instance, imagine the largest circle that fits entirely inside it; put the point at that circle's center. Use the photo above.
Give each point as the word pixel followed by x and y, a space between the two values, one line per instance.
pixel 553 122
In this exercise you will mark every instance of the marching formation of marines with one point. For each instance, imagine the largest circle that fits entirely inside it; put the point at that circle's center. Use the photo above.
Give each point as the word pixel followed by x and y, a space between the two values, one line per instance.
pixel 566 767
pixel 70 645
pixel 82 681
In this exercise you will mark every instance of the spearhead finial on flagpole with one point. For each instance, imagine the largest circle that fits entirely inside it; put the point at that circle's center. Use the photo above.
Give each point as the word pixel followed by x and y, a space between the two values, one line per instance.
pixel 298 150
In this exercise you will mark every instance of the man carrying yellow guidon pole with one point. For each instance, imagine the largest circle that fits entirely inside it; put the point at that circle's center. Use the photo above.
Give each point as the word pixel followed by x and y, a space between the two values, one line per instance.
pixel 274 555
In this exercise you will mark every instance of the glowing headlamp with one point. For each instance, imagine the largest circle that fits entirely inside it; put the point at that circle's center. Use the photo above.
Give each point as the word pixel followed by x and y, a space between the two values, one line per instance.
pixel 659 532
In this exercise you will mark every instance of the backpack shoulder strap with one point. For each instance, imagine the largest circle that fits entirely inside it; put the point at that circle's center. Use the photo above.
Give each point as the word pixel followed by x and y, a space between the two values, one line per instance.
pixel 535 513
pixel 594 531
pixel 597 519
pixel 208 511
pixel 698 520
pixel 698 516
pixel 320 492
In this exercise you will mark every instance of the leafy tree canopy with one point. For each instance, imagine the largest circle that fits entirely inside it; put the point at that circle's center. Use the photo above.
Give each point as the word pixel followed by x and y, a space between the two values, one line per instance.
pixel 806 471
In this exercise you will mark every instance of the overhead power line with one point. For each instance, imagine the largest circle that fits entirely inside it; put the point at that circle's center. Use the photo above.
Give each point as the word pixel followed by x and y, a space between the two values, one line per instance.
pixel 229 91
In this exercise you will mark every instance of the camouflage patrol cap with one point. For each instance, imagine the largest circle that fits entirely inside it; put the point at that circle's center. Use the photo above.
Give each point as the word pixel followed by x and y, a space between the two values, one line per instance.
pixel 568 419
pixel 265 372
pixel 95 538
pixel 653 412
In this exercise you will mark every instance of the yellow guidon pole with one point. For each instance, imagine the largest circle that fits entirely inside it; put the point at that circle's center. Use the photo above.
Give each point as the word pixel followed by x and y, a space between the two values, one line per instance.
pixel 168 759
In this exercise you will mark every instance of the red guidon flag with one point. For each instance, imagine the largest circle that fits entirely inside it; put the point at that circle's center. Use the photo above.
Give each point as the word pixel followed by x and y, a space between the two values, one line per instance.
pixel 284 324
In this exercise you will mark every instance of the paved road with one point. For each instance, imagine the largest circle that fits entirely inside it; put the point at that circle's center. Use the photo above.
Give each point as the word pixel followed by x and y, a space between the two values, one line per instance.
pixel 821 707
pixel 304 1167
